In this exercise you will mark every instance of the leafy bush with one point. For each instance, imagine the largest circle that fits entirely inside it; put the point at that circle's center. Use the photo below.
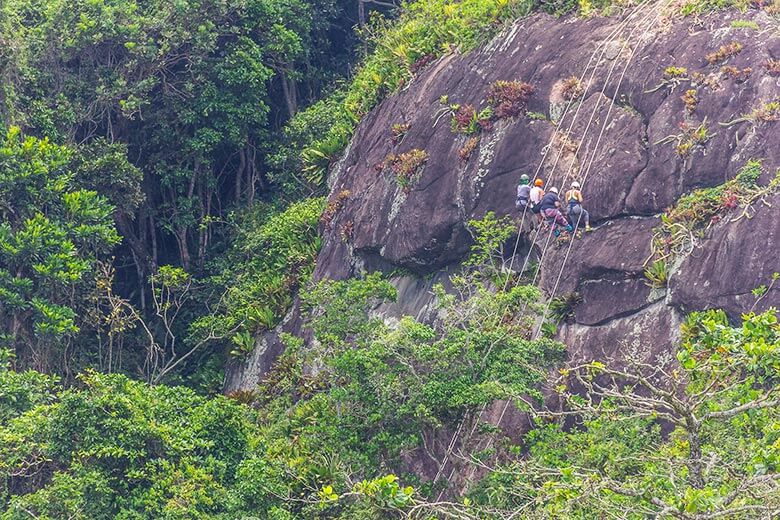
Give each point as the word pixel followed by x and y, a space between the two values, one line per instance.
pixel 53 234
pixel 724 52
pixel 509 98
pixel 119 448
pixel 257 278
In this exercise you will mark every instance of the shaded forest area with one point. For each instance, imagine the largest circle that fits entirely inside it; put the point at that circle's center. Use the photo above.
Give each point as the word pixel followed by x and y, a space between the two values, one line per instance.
pixel 168 117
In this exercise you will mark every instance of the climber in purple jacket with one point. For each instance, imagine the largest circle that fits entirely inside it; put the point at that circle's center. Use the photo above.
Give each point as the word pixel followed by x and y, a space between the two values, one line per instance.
pixel 551 209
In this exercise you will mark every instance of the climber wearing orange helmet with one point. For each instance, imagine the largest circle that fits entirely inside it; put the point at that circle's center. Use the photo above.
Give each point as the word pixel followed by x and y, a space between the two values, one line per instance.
pixel 536 198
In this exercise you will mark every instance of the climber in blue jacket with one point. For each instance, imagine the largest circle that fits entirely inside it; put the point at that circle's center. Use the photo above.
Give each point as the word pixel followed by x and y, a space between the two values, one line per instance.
pixel 551 209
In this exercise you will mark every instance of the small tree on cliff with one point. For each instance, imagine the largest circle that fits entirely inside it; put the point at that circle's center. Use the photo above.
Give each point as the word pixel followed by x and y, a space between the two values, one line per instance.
pixel 695 438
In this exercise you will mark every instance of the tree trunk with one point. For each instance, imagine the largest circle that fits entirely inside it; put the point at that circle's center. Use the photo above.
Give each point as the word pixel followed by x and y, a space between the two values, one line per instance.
pixel 695 462
pixel 240 174
pixel 290 93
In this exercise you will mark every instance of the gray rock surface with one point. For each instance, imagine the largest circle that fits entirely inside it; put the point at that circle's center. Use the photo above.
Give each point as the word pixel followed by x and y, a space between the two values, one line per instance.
pixel 629 174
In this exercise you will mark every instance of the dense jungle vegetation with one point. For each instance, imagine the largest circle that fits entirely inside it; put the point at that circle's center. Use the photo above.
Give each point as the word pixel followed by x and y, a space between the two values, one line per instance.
pixel 162 179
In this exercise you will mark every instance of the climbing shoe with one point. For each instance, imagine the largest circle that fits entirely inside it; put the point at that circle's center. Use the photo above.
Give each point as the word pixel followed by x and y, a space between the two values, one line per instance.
pixel 588 228
pixel 557 233
pixel 569 228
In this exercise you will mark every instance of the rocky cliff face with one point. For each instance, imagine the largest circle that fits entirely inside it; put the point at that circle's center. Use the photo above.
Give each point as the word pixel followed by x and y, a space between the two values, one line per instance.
pixel 624 151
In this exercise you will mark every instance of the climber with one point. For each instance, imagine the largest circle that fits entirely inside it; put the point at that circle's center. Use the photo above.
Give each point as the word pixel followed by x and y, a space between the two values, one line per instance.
pixel 536 195
pixel 523 192
pixel 575 211
pixel 551 209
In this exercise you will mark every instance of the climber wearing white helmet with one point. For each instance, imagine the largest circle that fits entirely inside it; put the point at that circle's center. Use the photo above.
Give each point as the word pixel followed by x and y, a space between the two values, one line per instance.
pixel 551 209
pixel 576 212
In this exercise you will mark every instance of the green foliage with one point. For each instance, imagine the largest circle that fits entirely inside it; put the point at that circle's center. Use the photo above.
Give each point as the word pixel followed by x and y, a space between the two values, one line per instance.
pixel 704 207
pixel 255 280
pixel 490 236
pixel 657 274
pixel 722 448
pixel 21 391
pixel 52 234
pixel 424 28
pixel 745 24
pixel 121 449
pixel 562 307
pixel 186 89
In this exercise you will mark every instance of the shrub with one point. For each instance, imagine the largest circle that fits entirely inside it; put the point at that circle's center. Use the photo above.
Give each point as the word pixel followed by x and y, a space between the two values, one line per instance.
pixel 706 80
pixel 772 67
pixel 724 52
pixel 690 99
pixel 464 120
pixel 422 62
pixel 509 98
pixel 468 148
pixel 256 279
pixel 572 88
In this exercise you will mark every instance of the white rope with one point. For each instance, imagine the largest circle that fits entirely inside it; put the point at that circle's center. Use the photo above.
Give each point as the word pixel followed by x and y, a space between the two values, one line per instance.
pixel 603 48
pixel 592 158
pixel 595 110
pixel 508 401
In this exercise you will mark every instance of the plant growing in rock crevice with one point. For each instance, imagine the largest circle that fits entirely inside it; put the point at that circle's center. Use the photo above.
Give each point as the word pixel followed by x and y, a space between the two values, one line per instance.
pixel 657 274
pixel 509 98
pixel 562 308
pixel 689 139
pixel 706 80
pixel 468 148
pixel 690 99
pixel 398 131
pixel 673 76
pixel 738 75
pixel 682 224
pixel 772 67
pixel 407 167
pixel 724 52
pixel 572 88
pixel 466 120
pixel 333 207
pixel 766 113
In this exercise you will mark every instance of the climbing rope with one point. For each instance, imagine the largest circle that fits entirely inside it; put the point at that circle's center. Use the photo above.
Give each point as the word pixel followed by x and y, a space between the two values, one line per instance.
pixel 600 51
pixel 590 162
